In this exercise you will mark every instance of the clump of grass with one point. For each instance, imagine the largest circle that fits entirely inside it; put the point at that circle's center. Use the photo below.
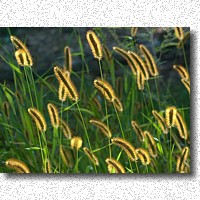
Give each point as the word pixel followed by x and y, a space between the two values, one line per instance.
pixel 51 123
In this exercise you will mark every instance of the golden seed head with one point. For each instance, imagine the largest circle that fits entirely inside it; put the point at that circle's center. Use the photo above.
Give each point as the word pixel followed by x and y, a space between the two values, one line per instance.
pixel 117 103
pixel 126 146
pixel 22 54
pixel 91 156
pixel 76 143
pixel 182 166
pixel 181 126
pixel 134 31
pixel 66 130
pixel 170 116
pixel 62 92
pixel 161 121
pixel 138 130
pixel 140 65
pixel 128 59
pixel 186 83
pixel 38 118
pixel 151 64
pixel 104 128
pixel 68 59
pixel 140 80
pixel 182 72
pixel 105 88
pixel 53 113
pixel 94 44
pixel 67 157
pixel 114 166
pixel 151 144
pixel 179 33
pixel 64 79
pixel 17 165
pixel 143 155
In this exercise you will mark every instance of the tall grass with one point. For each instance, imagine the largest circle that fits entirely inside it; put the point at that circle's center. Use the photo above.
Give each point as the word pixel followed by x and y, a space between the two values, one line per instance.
pixel 77 146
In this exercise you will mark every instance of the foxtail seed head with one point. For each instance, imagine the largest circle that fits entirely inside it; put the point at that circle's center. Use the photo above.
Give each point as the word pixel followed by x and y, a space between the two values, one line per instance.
pixel 76 143
pixel 182 72
pixel 94 44
pixel 64 78
pixel 186 83
pixel 62 92
pixel 53 113
pixel 66 130
pixel 127 57
pixel 143 155
pixel 68 59
pixel 105 130
pixel 67 157
pixel 161 121
pixel 152 148
pixel 21 51
pixel 182 165
pixel 91 156
pixel 151 64
pixel 17 165
pixel 134 31
pixel 138 130
pixel 38 118
pixel 140 80
pixel 179 33
pixel 170 116
pixel 114 166
pixel 117 103
pixel 126 146
pixel 181 126
pixel 105 88
pixel 138 62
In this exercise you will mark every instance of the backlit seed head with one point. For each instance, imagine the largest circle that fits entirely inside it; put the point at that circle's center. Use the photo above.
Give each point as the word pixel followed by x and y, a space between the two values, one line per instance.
pixel 127 57
pixel 76 143
pixel 91 156
pixel 181 126
pixel 66 129
pixel 140 65
pixel 126 146
pixel 151 144
pixel 179 33
pixel 94 44
pixel 134 31
pixel 117 103
pixel 63 77
pixel 161 121
pixel 68 59
pixel 114 166
pixel 53 113
pixel 26 58
pixel 182 165
pixel 67 157
pixel 138 130
pixel 186 83
pixel 105 88
pixel 170 116
pixel 38 118
pixel 182 72
pixel 143 155
pixel 151 64
pixel 104 128
pixel 17 165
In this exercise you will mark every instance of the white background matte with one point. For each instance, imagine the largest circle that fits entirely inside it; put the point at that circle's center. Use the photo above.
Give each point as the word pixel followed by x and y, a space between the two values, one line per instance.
pixel 110 13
